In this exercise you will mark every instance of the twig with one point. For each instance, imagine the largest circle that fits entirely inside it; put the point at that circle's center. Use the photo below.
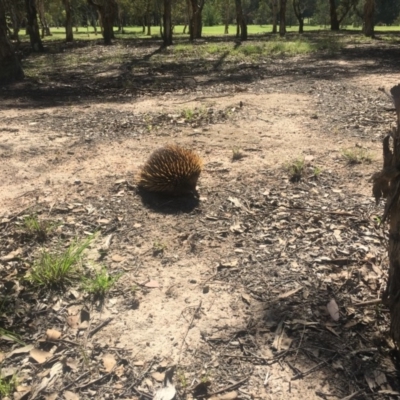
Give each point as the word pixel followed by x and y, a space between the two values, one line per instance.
pixel 350 396
pixel 230 387
pixel 188 329
pixel 367 303
pixel 305 373
pixel 98 327
pixel 97 380
pixel 138 380
pixel 204 98
pixel 75 381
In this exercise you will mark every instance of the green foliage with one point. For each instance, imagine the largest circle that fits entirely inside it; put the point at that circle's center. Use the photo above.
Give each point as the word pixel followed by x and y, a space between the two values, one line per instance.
pixel 39 229
pixel 211 15
pixel 296 169
pixel 100 284
pixel 357 156
pixel 55 269
pixel 7 386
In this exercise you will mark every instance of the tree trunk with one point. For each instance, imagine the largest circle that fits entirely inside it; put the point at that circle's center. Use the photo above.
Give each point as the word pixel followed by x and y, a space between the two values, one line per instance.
pixel 282 18
pixel 108 12
pixel 369 10
pixel 386 184
pixel 167 17
pixel 69 34
pixel 32 26
pixel 227 12
pixel 10 67
pixel 15 20
pixel 42 18
pixel 143 25
pixel 241 20
pixel 298 12
pixel 274 15
pixel 195 23
pixel 148 22
pixel 333 14
pixel 301 25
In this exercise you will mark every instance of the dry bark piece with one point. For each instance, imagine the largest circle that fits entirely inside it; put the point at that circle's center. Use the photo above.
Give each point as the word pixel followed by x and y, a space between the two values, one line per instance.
pixel 53 334
pixel 70 395
pixel 109 362
pixel 40 356
pixel 333 310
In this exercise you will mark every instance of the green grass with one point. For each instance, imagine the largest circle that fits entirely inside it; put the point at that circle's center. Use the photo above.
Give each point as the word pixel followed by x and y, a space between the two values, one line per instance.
pixel 57 269
pixel 357 156
pixel 237 154
pixel 7 386
pixel 100 284
pixel 33 227
pixel 296 169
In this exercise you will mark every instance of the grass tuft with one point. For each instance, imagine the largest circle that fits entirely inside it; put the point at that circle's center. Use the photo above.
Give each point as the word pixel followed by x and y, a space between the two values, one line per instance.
pixel 7 386
pixel 100 284
pixel 237 154
pixel 35 228
pixel 296 169
pixel 58 269
pixel 357 156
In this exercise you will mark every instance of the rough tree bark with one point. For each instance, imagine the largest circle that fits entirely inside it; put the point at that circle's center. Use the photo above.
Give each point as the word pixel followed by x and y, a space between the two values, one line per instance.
pixel 299 11
pixel 282 18
pixel 16 19
pixel 108 11
pixel 369 11
pixel 42 18
pixel 195 23
pixel 386 184
pixel 335 19
pixel 241 20
pixel 69 33
pixel 10 67
pixel 274 16
pixel 32 26
pixel 167 19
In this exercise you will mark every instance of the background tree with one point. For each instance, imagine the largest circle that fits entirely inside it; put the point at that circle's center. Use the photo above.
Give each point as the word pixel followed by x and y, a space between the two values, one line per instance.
pixel 195 18
pixel 369 10
pixel 17 12
pixel 241 20
pixel 299 8
pixel 108 10
pixel 338 11
pixel 32 26
pixel 282 18
pixel 167 18
pixel 40 4
pixel 10 67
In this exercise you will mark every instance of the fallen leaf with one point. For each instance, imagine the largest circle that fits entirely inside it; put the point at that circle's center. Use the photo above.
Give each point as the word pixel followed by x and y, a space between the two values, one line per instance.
pixel 289 293
pixel 20 350
pixel 227 396
pixel 53 334
pixel 152 284
pixel 158 376
pixel 70 395
pixel 109 362
pixel 73 321
pixel 40 356
pixel 117 258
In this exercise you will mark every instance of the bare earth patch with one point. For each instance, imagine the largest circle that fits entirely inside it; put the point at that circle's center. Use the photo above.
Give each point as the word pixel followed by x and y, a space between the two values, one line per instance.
pixel 232 288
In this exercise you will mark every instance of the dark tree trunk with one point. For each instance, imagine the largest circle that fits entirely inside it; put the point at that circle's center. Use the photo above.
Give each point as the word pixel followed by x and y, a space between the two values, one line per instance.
pixel 15 20
pixel 195 23
pixel 42 18
pixel 227 17
pixel 10 67
pixel 274 14
pixel 108 12
pixel 386 184
pixel 298 12
pixel 143 25
pixel 335 24
pixel 282 18
pixel 69 34
pixel 148 21
pixel 241 20
pixel 369 11
pixel 167 17
pixel 32 26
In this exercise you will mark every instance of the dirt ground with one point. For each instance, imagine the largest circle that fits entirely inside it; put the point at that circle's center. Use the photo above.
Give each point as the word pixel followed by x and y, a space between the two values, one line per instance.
pixel 232 288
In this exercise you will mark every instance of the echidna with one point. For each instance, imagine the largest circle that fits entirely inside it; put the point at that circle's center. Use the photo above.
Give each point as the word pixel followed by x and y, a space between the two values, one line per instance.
pixel 171 170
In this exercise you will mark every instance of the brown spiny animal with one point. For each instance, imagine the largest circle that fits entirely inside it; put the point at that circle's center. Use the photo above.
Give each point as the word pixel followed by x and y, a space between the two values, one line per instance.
pixel 171 170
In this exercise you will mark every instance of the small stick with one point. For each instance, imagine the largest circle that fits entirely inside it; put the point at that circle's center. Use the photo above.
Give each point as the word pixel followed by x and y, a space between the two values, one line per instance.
pixel 188 329
pixel 98 327
pixel 368 303
pixel 75 381
pixel 350 396
pixel 138 380
pixel 230 387
pixel 312 369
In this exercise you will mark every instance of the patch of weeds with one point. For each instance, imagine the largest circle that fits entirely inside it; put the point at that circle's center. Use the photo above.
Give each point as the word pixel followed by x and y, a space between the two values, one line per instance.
pixel 33 227
pixel 158 248
pixel 180 375
pixel 100 284
pixel 317 172
pixel 53 269
pixel 296 169
pixel 188 114
pixel 237 154
pixel 357 156
pixel 10 336
pixel 7 386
